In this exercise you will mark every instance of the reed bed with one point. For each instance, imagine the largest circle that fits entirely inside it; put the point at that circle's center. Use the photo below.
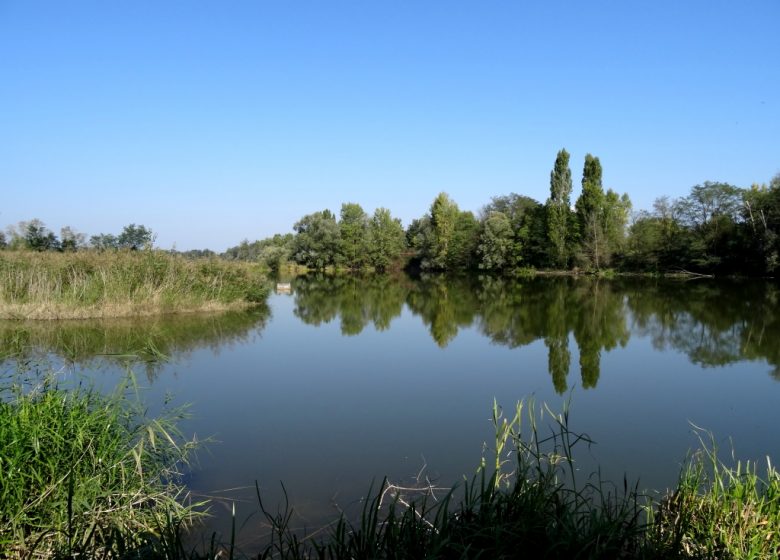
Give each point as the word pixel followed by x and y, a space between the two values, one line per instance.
pixel 84 474
pixel 92 284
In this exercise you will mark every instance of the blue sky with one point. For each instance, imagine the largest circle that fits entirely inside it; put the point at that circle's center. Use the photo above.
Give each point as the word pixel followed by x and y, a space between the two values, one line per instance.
pixel 211 122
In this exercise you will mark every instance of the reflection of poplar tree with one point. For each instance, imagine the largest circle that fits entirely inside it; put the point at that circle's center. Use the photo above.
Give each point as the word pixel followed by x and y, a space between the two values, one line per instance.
pixel 589 331
pixel 558 361
pixel 557 336
pixel 590 362
pixel 600 325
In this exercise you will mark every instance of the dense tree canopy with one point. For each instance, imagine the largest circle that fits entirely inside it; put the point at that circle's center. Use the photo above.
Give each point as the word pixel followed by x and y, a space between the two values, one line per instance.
pixel 317 241
pixel 386 239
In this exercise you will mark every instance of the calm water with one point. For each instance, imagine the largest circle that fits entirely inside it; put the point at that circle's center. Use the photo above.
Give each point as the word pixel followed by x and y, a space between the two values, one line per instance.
pixel 347 380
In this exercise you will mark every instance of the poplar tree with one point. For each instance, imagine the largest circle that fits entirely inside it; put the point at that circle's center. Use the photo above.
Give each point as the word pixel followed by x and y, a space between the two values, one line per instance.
pixel 589 208
pixel 558 208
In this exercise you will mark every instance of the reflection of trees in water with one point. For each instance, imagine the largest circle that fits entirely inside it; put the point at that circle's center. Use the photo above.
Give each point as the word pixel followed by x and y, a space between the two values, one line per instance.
pixel 510 312
pixel 444 304
pixel 599 324
pixel 713 323
pixel 516 313
pixel 129 341
pixel 358 301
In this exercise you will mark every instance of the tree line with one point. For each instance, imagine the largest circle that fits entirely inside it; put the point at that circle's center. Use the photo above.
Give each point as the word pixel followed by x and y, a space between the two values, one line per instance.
pixel 33 235
pixel 717 229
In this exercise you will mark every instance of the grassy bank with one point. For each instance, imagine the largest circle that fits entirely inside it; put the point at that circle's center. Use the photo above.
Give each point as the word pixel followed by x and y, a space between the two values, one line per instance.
pixel 84 474
pixel 93 284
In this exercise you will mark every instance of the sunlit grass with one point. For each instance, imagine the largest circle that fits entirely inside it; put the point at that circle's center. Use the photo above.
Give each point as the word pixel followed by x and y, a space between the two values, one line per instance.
pixel 82 473
pixel 122 283
pixel 720 511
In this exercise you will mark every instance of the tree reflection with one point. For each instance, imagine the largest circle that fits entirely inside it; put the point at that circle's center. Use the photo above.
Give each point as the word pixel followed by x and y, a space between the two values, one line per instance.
pixel 444 304
pixel 357 301
pixel 713 323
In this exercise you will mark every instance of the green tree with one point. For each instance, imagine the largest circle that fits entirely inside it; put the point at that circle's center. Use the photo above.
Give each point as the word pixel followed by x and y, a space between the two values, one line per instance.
pixel 462 252
pixel 589 208
pixel 317 240
pixel 353 230
pixel 712 211
pixel 104 241
pixel 275 251
pixel 71 240
pixel 559 208
pixel 444 215
pixel 386 239
pixel 644 243
pixel 3 242
pixel 37 237
pixel 495 242
pixel 526 217
pixel 761 214
pixel 135 237
pixel 614 219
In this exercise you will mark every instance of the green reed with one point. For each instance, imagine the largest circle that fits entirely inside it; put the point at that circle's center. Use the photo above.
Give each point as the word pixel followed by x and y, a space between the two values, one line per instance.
pixel 719 510
pixel 86 474
pixel 122 283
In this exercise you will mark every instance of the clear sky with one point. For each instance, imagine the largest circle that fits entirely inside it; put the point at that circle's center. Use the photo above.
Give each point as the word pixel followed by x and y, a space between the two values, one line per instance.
pixel 211 122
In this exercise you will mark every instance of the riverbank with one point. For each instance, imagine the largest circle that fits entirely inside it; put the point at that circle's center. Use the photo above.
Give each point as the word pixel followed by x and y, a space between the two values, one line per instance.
pixel 92 284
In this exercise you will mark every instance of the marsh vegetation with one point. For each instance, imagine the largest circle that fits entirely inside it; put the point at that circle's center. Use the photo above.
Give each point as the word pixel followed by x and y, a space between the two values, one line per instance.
pixel 89 284
pixel 85 474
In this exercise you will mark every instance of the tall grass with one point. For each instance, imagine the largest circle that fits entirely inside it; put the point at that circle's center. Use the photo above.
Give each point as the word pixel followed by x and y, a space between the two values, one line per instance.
pixel 719 510
pixel 84 474
pixel 121 283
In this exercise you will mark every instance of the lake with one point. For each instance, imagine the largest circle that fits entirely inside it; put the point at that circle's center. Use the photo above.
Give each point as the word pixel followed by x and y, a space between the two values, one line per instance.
pixel 345 380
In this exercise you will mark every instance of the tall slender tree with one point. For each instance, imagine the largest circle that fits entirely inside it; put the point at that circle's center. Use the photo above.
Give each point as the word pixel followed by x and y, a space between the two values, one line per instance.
pixel 559 208
pixel 589 208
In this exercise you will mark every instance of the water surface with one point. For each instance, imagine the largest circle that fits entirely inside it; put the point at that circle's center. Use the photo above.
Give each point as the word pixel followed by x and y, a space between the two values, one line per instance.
pixel 346 380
